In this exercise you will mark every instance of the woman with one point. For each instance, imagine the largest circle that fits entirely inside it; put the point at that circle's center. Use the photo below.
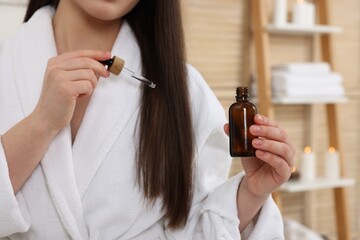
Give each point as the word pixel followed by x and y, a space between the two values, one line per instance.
pixel 89 155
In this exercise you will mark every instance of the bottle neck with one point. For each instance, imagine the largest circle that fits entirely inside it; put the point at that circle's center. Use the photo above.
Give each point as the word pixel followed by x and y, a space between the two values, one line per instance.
pixel 242 94
pixel 242 98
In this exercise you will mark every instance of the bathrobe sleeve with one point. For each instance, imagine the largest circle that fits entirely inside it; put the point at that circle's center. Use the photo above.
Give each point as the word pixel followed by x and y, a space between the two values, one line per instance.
pixel 13 218
pixel 214 213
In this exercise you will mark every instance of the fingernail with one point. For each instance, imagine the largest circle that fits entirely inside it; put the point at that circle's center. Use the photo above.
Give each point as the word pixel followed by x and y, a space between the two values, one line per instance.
pixel 257 142
pixel 256 129
pixel 260 118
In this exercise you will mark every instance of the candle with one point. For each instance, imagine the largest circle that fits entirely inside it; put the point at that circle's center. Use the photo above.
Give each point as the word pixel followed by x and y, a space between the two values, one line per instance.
pixel 332 166
pixel 303 13
pixel 310 14
pixel 299 13
pixel 308 165
pixel 280 13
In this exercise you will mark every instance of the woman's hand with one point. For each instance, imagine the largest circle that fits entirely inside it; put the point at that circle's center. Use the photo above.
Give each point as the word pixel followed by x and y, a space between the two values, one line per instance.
pixel 267 171
pixel 68 77
pixel 274 159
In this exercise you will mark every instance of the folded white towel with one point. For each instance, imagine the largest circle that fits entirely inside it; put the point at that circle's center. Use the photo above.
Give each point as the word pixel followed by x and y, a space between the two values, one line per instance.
pixel 288 79
pixel 302 90
pixel 309 91
pixel 303 68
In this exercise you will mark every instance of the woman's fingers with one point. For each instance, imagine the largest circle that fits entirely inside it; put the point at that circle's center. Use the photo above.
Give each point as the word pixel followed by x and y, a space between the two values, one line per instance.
pixel 226 129
pixel 85 63
pixel 269 132
pixel 278 149
pixel 80 63
pixel 281 167
pixel 275 141
pixel 82 74
pixel 65 88
pixel 271 141
pixel 87 53
pixel 81 59
pixel 82 88
pixel 273 144
pixel 262 120
pixel 272 132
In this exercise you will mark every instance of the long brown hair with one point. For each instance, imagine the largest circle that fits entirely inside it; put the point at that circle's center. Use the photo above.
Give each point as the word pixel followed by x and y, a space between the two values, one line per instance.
pixel 166 143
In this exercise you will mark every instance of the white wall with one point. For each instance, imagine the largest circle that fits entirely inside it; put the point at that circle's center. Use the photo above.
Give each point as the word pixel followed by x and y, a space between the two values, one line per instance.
pixel 12 13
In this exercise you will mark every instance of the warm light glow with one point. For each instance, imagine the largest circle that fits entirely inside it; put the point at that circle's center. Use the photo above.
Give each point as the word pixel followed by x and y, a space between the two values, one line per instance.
pixel 300 1
pixel 331 150
pixel 293 170
pixel 307 149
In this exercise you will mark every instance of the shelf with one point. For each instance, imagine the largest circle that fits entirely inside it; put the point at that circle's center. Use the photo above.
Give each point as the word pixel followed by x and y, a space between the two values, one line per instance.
pixel 306 100
pixel 300 30
pixel 321 183
pixel 309 100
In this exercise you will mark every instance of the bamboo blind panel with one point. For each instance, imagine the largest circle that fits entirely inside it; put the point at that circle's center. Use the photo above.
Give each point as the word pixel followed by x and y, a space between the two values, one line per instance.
pixel 214 37
pixel 216 33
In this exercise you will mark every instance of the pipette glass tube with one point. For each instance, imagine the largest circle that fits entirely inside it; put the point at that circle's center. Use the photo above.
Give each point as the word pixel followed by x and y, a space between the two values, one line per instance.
pixel 115 65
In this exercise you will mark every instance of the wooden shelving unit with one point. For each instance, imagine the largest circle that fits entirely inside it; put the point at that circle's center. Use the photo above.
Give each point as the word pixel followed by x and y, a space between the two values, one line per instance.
pixel 265 102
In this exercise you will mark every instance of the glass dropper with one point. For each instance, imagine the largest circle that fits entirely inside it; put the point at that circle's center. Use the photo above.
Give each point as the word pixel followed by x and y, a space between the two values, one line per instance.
pixel 115 65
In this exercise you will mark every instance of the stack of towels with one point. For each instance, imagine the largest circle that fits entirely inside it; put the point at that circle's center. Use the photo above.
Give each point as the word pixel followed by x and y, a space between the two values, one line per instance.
pixel 305 80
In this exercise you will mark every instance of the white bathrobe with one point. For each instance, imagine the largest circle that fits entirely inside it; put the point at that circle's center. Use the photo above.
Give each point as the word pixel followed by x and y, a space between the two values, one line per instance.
pixel 87 190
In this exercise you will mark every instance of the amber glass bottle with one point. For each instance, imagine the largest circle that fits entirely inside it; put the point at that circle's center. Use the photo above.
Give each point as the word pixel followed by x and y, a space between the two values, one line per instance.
pixel 241 117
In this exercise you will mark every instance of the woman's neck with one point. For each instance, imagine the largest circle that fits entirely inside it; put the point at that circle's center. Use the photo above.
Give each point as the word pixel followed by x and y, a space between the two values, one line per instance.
pixel 74 29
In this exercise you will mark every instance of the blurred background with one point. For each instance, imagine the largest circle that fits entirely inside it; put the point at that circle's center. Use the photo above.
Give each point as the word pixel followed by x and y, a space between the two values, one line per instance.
pixel 221 45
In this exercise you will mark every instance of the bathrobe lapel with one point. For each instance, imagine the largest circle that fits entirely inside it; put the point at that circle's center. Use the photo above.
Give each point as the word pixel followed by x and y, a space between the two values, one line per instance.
pixel 113 103
pixel 69 169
